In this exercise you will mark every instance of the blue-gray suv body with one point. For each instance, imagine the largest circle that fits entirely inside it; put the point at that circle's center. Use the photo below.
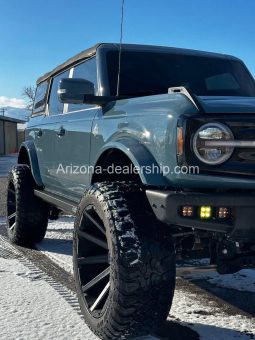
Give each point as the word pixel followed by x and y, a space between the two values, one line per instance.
pixel 176 126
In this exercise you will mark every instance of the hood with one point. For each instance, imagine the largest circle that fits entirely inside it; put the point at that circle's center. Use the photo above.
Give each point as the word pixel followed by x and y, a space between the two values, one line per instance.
pixel 227 104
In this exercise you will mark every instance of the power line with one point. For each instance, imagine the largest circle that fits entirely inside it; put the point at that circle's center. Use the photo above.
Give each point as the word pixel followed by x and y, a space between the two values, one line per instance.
pixel 2 110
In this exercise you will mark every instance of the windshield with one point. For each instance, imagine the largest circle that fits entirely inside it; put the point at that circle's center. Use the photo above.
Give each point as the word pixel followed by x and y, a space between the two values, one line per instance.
pixel 147 73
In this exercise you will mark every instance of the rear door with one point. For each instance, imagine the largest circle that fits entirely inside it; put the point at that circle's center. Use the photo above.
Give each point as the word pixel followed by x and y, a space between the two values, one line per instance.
pixel 45 135
pixel 35 129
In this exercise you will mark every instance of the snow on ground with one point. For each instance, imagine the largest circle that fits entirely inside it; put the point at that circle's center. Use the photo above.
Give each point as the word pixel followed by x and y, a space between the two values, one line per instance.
pixel 57 244
pixel 203 317
pixel 2 220
pixel 30 307
pixel 207 320
pixel 243 280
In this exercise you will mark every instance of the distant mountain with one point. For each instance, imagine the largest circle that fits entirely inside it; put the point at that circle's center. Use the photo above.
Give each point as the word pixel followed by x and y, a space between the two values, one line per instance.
pixel 19 113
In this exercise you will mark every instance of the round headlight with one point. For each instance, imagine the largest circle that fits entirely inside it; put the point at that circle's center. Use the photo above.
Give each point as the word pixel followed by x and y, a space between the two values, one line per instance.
pixel 209 146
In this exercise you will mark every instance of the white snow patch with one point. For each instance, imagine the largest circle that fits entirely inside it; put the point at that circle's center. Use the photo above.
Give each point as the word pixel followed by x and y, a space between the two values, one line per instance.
pixel 57 244
pixel 207 320
pixel 134 262
pixel 31 309
pixel 244 280
pixel 2 220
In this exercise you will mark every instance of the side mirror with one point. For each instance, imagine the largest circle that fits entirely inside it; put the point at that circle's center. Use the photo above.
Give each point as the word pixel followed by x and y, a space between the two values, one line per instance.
pixel 74 90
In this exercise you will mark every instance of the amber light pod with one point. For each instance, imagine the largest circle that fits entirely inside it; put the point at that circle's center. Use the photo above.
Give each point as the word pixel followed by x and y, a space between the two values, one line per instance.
pixel 180 141
pixel 223 212
pixel 187 211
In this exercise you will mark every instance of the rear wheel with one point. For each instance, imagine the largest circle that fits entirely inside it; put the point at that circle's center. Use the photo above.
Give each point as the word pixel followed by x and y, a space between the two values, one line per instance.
pixel 27 215
pixel 124 263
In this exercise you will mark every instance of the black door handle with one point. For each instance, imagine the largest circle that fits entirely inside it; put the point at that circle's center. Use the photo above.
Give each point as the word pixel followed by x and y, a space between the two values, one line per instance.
pixel 61 132
pixel 39 133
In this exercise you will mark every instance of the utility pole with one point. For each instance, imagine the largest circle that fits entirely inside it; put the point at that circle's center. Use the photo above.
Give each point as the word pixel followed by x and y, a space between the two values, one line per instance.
pixel 2 110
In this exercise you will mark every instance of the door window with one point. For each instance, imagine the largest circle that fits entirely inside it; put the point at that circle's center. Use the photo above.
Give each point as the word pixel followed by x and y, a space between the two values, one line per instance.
pixel 86 70
pixel 55 106
pixel 40 98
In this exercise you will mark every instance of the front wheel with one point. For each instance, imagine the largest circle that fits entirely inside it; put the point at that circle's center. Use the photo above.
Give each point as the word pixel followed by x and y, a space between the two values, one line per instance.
pixel 124 263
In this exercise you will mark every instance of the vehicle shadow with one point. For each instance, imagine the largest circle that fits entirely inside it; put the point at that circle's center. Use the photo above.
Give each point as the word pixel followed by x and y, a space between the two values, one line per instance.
pixel 176 331
pixel 173 330
pixel 243 300
pixel 58 246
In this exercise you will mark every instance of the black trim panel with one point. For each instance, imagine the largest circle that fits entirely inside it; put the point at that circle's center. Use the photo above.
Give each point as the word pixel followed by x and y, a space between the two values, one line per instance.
pixel 166 206
pixel 67 206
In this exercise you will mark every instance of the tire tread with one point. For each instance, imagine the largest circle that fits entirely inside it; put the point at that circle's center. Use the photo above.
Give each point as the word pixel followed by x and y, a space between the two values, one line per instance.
pixel 143 268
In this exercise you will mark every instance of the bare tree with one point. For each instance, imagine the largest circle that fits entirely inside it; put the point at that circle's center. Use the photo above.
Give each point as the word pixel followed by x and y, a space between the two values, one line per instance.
pixel 28 93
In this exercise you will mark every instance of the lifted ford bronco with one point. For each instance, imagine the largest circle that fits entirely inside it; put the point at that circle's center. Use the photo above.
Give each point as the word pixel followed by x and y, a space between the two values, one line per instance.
pixel 153 151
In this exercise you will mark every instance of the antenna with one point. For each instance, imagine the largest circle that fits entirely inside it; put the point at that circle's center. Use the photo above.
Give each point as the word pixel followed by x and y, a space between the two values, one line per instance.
pixel 120 46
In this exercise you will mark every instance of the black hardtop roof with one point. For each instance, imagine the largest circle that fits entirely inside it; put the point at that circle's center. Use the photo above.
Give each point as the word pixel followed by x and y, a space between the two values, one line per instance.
pixel 92 51
pixel 80 56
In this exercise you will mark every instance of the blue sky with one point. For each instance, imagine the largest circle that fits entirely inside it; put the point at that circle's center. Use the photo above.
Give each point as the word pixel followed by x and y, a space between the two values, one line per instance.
pixel 38 35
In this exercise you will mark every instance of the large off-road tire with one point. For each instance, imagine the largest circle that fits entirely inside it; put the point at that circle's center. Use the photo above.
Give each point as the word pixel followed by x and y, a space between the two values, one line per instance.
pixel 27 215
pixel 124 263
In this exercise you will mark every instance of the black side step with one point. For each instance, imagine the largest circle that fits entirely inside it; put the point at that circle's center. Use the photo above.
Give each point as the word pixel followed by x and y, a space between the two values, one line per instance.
pixel 68 206
pixel 187 270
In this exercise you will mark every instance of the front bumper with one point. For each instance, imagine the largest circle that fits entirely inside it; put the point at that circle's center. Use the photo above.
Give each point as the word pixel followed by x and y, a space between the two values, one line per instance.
pixel 240 227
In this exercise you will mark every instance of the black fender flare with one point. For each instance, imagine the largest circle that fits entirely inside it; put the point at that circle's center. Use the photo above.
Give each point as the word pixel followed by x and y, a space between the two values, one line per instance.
pixel 28 147
pixel 141 158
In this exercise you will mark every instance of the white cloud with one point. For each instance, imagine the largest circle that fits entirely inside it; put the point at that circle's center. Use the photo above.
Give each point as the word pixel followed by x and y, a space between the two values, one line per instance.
pixel 13 102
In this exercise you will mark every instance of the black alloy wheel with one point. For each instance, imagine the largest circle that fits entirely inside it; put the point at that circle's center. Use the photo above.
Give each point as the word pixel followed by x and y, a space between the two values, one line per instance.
pixel 124 263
